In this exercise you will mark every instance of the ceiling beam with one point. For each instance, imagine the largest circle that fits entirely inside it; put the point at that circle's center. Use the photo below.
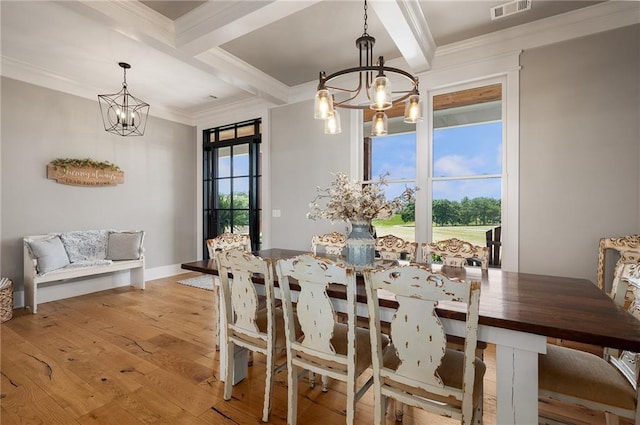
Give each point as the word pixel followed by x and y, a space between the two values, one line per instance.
pixel 216 23
pixel 407 26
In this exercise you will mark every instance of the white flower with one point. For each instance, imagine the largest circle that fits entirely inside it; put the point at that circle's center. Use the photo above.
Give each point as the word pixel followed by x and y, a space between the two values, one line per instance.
pixel 356 201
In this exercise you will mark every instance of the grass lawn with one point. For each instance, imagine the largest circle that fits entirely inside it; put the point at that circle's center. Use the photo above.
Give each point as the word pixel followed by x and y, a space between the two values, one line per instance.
pixel 395 226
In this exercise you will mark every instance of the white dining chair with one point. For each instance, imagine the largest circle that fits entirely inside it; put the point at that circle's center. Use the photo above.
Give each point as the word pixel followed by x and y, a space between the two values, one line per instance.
pixel 417 369
pixel 391 247
pixel 332 243
pixel 223 242
pixel 327 347
pixel 455 252
pixel 246 325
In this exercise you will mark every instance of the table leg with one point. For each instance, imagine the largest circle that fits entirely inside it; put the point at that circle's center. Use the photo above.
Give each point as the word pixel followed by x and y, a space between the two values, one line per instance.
pixel 516 386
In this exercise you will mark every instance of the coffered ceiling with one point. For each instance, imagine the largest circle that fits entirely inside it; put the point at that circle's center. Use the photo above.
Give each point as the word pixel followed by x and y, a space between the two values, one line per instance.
pixel 190 57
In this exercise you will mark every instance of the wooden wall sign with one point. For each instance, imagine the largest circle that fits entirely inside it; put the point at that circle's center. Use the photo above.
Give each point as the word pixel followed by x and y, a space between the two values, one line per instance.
pixel 84 172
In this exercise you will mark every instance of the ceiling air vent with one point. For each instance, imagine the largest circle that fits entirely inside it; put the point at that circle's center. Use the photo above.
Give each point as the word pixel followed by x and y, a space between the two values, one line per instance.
pixel 510 8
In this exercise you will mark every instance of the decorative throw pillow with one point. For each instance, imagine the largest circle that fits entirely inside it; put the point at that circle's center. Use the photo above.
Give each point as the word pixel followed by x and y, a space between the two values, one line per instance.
pixel 85 245
pixel 49 253
pixel 125 245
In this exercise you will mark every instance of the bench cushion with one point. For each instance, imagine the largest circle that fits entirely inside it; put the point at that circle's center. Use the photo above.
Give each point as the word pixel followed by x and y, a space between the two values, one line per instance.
pixel 125 245
pixel 49 252
pixel 85 245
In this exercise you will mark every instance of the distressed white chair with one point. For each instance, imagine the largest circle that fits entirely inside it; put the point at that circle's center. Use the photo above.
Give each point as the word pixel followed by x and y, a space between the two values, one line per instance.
pixel 223 242
pixel 392 247
pixel 607 384
pixel 456 252
pixel 339 351
pixel 330 243
pixel 417 368
pixel 247 326
pixel 627 248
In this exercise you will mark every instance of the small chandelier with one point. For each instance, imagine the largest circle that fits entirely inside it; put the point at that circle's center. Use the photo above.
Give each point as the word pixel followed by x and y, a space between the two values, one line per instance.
pixel 122 113
pixel 372 92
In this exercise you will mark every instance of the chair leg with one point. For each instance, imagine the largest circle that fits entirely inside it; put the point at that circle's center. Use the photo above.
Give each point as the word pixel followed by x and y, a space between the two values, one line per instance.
pixel 380 407
pixel 325 383
pixel 268 387
pixel 351 399
pixel 399 411
pixel 292 392
pixel 216 315
pixel 312 379
pixel 229 364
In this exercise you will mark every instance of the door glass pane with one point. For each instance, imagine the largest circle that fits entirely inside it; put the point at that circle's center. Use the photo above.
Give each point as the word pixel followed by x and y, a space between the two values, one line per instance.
pixel 224 162
pixel 241 160
pixel 224 188
pixel 241 192
pixel 241 222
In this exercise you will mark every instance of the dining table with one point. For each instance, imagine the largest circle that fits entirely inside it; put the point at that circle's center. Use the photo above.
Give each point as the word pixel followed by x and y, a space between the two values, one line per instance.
pixel 518 312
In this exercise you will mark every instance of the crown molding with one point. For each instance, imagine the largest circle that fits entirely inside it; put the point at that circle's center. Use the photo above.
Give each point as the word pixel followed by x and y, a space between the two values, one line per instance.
pixel 600 17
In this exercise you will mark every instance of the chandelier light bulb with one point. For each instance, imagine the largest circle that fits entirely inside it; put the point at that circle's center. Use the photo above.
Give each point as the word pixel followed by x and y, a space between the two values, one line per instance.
pixel 323 105
pixel 412 113
pixel 332 124
pixel 381 93
pixel 379 124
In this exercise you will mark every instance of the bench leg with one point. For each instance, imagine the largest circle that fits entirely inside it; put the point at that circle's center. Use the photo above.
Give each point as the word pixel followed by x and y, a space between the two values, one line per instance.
pixel 137 277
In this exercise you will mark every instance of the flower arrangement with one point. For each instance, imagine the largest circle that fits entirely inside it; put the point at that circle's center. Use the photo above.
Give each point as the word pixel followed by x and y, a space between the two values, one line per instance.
pixel 356 201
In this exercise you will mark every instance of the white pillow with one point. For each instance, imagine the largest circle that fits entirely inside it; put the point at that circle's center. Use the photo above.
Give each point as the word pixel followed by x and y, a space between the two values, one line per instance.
pixel 85 245
pixel 49 253
pixel 125 245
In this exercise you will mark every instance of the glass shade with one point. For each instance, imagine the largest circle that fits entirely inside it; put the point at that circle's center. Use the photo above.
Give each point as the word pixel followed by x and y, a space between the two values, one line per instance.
pixel 379 125
pixel 332 124
pixel 323 105
pixel 381 93
pixel 412 113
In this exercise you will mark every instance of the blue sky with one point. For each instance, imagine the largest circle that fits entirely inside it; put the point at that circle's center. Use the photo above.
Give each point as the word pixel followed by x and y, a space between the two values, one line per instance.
pixel 458 151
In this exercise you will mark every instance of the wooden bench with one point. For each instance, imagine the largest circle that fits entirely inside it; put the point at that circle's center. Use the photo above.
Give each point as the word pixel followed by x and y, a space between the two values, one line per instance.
pixel 32 279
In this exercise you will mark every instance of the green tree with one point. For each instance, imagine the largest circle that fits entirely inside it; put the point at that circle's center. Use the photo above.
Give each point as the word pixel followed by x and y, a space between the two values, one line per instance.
pixel 408 213
pixel 445 212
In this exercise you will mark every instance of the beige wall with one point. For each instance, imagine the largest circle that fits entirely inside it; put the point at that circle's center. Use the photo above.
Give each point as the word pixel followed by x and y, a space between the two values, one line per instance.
pixel 302 158
pixel 579 150
pixel 158 195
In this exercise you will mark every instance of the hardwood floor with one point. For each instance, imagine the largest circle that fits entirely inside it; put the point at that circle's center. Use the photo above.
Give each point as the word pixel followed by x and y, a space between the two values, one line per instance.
pixel 127 356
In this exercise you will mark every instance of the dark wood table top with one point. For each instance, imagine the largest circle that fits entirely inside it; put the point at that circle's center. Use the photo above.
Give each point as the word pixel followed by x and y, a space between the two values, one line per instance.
pixel 558 307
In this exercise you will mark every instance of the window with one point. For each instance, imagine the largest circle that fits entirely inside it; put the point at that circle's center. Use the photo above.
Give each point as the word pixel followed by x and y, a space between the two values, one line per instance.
pixel 231 181
pixel 395 154
pixel 467 164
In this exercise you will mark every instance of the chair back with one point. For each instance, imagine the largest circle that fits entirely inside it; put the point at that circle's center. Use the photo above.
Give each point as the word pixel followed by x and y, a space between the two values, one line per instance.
pixel 392 247
pixel 315 310
pixel 330 243
pixel 419 339
pixel 622 245
pixel 239 295
pixel 456 252
pixel 227 241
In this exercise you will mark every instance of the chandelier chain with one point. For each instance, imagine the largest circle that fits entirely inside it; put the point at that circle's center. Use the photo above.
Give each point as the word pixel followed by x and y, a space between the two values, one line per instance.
pixel 365 18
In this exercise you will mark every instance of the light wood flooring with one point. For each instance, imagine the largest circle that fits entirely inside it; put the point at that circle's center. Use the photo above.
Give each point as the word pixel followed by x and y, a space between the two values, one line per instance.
pixel 127 356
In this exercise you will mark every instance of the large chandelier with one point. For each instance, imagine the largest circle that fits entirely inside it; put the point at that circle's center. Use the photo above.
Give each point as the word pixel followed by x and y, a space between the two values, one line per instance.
pixel 122 113
pixel 373 90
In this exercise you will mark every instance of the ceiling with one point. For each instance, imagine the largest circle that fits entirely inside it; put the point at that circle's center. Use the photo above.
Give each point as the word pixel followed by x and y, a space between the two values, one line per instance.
pixel 189 57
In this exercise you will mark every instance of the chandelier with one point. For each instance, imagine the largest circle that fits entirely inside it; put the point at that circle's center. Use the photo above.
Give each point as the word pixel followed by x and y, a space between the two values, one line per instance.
pixel 122 113
pixel 373 90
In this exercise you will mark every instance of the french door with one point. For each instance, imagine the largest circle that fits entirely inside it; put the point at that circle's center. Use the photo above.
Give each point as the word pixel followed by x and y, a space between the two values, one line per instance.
pixel 231 181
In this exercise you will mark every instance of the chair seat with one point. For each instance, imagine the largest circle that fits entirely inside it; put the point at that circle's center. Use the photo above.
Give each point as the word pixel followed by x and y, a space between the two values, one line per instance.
pixel 450 371
pixel 280 340
pixel 363 345
pixel 583 375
